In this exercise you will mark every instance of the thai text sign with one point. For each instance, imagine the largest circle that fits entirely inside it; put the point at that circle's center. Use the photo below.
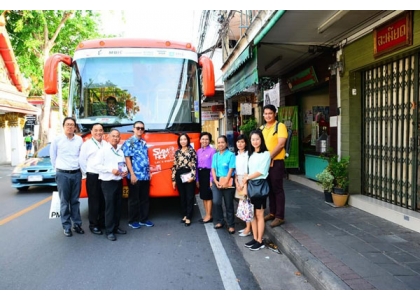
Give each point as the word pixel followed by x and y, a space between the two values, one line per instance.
pixel 393 35
pixel 302 79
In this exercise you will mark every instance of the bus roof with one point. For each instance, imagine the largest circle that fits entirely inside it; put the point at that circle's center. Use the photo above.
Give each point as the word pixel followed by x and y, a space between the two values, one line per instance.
pixel 133 43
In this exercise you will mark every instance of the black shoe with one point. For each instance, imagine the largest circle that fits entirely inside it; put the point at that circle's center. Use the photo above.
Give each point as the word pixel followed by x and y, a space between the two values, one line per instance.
pixel 120 231
pixel 187 222
pixel 111 237
pixel 95 230
pixel 78 229
pixel 208 221
pixel 250 243
pixel 67 232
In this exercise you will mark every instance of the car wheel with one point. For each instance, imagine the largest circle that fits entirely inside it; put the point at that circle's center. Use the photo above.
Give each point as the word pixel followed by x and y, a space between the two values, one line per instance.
pixel 22 189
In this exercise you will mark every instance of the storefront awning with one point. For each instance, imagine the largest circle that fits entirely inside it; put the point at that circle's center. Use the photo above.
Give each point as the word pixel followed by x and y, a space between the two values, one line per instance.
pixel 246 76
pixel 242 58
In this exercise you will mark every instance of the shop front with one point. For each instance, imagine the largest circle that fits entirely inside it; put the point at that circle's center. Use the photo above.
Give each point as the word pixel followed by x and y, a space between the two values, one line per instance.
pixel 380 94
pixel 310 90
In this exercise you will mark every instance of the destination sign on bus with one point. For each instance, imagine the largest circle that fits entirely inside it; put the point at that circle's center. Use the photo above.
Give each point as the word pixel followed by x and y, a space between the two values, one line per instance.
pixel 135 52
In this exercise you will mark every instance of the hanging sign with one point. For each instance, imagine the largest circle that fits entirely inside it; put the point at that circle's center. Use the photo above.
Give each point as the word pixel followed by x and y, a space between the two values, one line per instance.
pixel 246 109
pixel 302 79
pixel 395 34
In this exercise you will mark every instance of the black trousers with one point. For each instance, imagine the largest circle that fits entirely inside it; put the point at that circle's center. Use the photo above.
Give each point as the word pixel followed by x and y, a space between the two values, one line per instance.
pixel 96 201
pixel 112 190
pixel 187 196
pixel 138 201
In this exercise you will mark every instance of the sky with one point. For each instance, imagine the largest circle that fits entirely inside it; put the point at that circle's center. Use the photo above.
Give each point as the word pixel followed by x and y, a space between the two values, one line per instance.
pixel 179 25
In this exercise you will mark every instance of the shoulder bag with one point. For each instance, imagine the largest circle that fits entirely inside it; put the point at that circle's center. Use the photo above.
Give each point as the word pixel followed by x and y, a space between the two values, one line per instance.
pixel 224 180
pixel 258 188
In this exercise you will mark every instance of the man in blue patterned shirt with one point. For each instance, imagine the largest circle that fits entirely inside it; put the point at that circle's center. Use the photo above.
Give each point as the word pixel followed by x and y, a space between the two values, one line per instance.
pixel 137 160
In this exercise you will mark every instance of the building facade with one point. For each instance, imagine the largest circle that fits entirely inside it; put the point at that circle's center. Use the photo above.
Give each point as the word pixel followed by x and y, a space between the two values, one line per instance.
pixel 13 103
pixel 352 74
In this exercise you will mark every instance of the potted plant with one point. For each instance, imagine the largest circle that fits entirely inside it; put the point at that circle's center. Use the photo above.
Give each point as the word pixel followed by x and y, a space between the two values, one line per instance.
pixel 326 180
pixel 339 169
pixel 248 125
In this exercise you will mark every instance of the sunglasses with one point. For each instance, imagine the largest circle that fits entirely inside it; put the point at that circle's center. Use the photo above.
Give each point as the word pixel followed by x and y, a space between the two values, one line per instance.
pixel 139 128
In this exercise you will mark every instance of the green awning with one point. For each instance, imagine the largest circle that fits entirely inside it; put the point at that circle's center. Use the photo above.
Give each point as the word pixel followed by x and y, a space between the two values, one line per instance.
pixel 268 27
pixel 246 76
pixel 242 58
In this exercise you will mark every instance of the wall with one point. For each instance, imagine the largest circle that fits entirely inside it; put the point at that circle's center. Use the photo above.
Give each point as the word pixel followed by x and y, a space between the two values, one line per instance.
pixel 358 56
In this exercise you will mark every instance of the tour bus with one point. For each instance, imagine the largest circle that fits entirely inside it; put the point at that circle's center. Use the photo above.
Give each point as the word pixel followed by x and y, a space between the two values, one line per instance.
pixel 118 81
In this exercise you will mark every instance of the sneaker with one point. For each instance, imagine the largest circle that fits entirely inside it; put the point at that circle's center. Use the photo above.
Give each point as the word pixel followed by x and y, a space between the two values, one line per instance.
pixel 250 243
pixel 147 224
pixel 245 234
pixel 134 225
pixel 277 222
pixel 269 217
pixel 257 246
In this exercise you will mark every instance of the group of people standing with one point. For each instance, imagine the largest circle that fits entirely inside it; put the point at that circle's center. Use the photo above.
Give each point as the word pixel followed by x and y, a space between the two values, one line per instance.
pixel 219 175
pixel 105 164
pixel 259 157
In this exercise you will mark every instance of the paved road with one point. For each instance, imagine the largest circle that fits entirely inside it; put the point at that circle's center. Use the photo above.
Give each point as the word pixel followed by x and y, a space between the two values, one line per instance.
pixel 35 255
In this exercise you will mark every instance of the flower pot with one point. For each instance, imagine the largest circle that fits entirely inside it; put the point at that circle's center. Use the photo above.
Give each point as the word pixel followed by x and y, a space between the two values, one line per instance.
pixel 328 197
pixel 339 191
pixel 339 200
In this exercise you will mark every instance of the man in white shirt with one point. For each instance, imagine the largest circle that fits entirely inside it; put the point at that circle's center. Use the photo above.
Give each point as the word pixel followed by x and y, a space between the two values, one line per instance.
pixel 64 154
pixel 96 202
pixel 112 169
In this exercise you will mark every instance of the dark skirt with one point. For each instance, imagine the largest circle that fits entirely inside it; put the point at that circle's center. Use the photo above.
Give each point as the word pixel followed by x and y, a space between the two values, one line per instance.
pixel 259 202
pixel 204 180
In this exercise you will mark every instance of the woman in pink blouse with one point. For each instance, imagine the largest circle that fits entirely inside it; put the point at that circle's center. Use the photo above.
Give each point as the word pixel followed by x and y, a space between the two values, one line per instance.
pixel 204 157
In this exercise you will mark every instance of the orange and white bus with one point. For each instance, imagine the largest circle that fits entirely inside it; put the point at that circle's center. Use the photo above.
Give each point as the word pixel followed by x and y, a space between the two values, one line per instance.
pixel 118 81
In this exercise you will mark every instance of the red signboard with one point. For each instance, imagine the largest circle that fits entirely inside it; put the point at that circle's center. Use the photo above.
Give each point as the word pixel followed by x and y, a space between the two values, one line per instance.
pixel 215 108
pixel 394 34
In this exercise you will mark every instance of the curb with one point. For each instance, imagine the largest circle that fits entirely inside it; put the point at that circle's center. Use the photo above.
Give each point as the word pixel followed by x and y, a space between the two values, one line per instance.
pixel 316 272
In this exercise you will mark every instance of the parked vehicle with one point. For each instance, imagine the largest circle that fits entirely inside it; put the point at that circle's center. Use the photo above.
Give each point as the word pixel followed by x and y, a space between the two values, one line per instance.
pixel 35 171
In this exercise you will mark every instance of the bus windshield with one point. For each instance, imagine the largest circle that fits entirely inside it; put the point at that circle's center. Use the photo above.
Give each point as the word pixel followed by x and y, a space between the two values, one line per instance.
pixel 161 92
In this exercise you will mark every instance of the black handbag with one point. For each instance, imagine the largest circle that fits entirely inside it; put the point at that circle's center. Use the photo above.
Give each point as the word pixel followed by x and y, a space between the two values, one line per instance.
pixel 258 188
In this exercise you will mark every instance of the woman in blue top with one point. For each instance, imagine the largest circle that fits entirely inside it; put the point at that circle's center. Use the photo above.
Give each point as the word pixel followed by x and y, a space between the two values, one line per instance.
pixel 223 165
pixel 258 166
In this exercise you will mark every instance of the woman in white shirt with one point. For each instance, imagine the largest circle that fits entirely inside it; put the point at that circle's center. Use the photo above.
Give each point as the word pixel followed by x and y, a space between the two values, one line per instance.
pixel 241 152
pixel 258 166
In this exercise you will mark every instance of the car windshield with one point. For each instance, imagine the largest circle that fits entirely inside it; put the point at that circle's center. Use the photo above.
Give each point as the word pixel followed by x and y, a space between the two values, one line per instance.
pixel 43 152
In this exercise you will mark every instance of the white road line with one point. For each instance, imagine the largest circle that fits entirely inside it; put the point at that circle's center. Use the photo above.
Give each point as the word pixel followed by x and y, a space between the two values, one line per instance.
pixel 227 274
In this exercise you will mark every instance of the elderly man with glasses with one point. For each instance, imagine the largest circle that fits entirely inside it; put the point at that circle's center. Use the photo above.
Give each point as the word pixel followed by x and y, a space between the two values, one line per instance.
pixel 137 160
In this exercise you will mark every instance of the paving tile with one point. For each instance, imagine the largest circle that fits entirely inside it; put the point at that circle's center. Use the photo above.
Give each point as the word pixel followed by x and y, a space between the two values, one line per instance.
pixel 413 282
pixel 386 282
pixel 397 270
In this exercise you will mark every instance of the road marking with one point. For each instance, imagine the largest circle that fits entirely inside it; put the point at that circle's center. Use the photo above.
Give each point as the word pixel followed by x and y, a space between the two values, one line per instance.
pixel 229 279
pixel 24 211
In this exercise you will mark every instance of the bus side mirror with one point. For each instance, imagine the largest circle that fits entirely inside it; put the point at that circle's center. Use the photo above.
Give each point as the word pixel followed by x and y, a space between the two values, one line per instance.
pixel 50 72
pixel 208 76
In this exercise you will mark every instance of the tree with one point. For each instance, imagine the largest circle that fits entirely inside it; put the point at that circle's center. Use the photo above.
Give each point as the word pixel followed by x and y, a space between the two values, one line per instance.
pixel 34 34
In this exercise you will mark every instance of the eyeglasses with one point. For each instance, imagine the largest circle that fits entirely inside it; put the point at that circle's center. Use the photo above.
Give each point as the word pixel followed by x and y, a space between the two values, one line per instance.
pixel 139 128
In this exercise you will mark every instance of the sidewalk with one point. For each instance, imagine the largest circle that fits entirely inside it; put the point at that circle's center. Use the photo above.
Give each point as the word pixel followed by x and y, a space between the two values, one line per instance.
pixel 345 248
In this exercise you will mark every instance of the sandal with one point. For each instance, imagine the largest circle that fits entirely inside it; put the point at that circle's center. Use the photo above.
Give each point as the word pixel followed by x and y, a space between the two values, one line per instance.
pixel 218 226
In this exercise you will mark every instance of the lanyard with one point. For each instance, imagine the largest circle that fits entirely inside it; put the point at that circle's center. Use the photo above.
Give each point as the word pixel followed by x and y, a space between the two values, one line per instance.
pixel 115 152
pixel 93 140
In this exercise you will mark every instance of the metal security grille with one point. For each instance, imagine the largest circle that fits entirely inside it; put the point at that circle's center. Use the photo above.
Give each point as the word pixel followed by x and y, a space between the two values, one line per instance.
pixel 390 132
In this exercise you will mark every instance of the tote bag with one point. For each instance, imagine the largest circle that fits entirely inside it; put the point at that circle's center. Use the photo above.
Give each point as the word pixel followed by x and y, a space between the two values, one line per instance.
pixel 258 188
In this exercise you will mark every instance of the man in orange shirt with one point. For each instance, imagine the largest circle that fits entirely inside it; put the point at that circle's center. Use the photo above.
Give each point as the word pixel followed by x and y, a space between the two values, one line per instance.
pixel 275 137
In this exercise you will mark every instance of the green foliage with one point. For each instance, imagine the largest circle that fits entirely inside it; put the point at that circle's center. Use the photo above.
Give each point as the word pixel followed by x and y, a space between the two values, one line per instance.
pixel 248 125
pixel 326 180
pixel 340 171
pixel 35 34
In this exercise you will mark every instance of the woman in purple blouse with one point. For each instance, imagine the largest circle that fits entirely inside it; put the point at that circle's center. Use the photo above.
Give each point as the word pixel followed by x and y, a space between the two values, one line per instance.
pixel 204 158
